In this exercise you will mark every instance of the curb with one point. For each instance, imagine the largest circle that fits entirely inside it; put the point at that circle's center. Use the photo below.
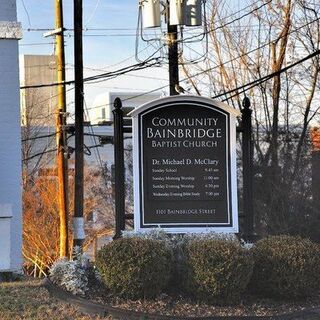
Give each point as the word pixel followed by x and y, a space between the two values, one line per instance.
pixel 93 308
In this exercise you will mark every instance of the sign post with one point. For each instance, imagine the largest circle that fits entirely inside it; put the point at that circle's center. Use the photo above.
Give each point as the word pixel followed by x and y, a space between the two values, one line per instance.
pixel 185 165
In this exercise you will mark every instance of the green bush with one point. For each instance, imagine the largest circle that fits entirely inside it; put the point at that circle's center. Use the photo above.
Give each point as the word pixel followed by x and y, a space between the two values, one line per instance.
pixel 135 268
pixel 217 270
pixel 286 267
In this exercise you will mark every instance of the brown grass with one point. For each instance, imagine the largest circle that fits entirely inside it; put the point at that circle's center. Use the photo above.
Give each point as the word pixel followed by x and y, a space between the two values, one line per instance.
pixel 27 300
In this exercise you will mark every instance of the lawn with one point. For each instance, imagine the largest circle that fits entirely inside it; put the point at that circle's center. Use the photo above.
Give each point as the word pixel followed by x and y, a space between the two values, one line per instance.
pixel 27 300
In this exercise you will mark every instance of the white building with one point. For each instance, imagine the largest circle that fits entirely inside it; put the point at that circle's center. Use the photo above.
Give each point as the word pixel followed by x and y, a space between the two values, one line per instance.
pixel 10 145
pixel 38 104
pixel 101 110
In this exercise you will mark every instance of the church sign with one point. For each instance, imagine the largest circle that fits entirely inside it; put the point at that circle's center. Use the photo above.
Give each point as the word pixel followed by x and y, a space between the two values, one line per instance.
pixel 184 151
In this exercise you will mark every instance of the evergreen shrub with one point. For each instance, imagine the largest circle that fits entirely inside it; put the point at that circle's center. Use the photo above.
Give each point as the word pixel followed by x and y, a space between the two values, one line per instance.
pixel 286 267
pixel 135 268
pixel 217 270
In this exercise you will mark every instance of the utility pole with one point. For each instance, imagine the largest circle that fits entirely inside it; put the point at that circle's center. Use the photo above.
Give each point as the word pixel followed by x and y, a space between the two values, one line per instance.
pixel 247 156
pixel 78 224
pixel 172 55
pixel 62 159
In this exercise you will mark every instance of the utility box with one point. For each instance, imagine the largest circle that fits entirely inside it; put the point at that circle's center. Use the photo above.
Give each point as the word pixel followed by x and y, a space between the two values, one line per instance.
pixel 193 13
pixel 5 227
pixel 176 12
pixel 151 17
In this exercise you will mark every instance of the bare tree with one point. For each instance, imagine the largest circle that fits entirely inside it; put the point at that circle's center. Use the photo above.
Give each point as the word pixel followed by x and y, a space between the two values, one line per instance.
pixel 41 217
pixel 243 48
pixel 40 188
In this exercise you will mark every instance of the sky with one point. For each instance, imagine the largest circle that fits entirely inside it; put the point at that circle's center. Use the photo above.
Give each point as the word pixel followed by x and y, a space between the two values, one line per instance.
pixel 104 50
pixel 101 53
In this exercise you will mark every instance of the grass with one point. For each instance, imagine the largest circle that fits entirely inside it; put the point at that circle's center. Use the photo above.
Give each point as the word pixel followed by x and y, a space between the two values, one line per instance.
pixel 27 300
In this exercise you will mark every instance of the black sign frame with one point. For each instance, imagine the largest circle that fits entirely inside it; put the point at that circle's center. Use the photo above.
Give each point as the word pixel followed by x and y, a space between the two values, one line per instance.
pixel 140 189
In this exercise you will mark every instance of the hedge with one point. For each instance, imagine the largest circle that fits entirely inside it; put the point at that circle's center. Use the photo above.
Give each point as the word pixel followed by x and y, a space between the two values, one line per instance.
pixel 217 270
pixel 135 268
pixel 286 267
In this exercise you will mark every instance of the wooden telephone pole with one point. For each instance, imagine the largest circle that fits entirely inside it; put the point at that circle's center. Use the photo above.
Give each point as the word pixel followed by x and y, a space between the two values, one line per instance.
pixel 62 159
pixel 78 224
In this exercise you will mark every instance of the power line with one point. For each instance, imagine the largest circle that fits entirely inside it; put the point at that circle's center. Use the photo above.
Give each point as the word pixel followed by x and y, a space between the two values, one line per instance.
pixel 110 35
pixel 39 137
pixel 41 65
pixel 224 63
pixel 240 88
pixel 240 10
pixel 26 11
pixel 93 12
pixel 37 44
pixel 43 101
pixel 103 79
pixel 96 150
pixel 224 25
pixel 227 23
pixel 219 65
pixel 252 26
pixel 84 29
pixel 266 78
pixel 135 67
pixel 202 72
pixel 129 58
pixel 127 75
pixel 39 154
pixel 37 29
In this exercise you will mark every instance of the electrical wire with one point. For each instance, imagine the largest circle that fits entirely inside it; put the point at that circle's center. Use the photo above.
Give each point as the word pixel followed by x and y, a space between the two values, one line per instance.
pixel 252 26
pixel 129 75
pixel 186 40
pixel 207 70
pixel 222 64
pixel 93 13
pixel 96 149
pixel 110 35
pixel 40 137
pixel 36 44
pixel 26 11
pixel 39 154
pixel 257 82
pixel 48 99
pixel 229 61
pixel 139 66
pixel 242 88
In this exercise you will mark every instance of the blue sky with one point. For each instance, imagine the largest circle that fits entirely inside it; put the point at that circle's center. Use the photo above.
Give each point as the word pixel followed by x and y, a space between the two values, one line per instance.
pixel 96 14
pixel 99 52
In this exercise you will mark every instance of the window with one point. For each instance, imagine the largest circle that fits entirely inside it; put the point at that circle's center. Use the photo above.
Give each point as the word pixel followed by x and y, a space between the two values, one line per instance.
pixel 103 113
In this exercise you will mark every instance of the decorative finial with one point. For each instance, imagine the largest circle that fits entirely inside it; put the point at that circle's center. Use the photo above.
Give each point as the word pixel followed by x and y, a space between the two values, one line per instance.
pixel 117 103
pixel 246 103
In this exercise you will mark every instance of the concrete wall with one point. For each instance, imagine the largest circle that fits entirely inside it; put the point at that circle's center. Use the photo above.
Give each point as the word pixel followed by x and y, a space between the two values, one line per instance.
pixel 38 104
pixel 10 145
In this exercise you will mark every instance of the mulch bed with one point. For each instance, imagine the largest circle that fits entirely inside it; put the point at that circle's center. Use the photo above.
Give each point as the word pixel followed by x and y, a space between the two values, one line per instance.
pixel 182 306
pixel 100 301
